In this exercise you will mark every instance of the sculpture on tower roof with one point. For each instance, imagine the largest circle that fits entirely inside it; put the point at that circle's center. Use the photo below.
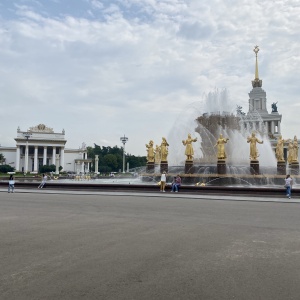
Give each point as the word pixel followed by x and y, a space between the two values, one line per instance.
pixel 256 82
pixel 274 107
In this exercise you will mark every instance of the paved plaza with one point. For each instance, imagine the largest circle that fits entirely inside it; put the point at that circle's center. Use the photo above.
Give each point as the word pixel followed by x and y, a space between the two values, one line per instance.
pixel 72 245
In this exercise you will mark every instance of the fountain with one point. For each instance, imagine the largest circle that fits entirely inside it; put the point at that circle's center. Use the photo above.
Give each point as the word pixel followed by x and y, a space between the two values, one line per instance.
pixel 225 141
pixel 212 121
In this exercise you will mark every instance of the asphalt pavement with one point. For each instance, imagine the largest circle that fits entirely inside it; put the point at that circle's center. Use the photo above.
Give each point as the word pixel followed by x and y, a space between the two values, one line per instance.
pixel 105 245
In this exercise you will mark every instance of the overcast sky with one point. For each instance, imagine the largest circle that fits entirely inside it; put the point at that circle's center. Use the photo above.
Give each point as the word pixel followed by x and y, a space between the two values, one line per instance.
pixel 104 68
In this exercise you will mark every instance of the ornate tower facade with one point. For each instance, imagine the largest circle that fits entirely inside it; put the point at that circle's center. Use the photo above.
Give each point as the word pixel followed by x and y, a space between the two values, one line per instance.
pixel 258 105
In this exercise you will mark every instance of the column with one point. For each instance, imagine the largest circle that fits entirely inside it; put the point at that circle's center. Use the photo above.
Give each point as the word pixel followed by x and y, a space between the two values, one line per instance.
pixel 267 127
pixel 77 167
pixel 96 163
pixel 62 157
pixel 45 156
pixel 272 127
pixel 18 158
pixel 26 159
pixel 35 165
pixel 279 128
pixel 82 167
pixel 57 164
pixel 53 156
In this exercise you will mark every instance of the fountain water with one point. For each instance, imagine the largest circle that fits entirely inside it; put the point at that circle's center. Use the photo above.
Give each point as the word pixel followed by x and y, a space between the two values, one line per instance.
pixel 209 118
pixel 215 114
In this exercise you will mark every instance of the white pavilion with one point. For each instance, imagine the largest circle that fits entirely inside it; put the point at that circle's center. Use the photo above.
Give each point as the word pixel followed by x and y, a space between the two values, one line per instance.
pixel 39 146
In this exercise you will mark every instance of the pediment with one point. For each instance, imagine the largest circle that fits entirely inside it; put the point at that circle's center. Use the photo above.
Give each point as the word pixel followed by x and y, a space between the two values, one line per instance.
pixel 41 128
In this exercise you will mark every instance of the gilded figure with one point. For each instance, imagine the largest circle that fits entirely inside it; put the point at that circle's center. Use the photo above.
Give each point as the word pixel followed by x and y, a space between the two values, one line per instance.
pixel 189 151
pixel 253 149
pixel 295 149
pixel 164 149
pixel 157 154
pixel 290 151
pixel 279 148
pixel 221 147
pixel 150 151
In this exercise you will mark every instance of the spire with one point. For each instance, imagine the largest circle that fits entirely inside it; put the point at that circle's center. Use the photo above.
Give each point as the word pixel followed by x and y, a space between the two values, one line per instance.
pixel 256 49
pixel 256 82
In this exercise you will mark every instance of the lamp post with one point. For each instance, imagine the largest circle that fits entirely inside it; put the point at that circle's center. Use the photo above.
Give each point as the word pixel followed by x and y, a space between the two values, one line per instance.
pixel 124 139
pixel 27 135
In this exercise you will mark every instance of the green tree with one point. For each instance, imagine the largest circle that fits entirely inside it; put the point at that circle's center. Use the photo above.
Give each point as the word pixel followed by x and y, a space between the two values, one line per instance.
pixel 111 161
pixel 6 168
pixel 2 159
pixel 47 169
pixel 109 164
pixel 136 161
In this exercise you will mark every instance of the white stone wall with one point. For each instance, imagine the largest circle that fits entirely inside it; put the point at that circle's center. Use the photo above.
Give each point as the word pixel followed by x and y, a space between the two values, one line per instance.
pixel 70 156
pixel 69 159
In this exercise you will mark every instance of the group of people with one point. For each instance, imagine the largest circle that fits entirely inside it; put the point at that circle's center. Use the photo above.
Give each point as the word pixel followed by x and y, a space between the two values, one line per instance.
pixel 11 183
pixel 176 183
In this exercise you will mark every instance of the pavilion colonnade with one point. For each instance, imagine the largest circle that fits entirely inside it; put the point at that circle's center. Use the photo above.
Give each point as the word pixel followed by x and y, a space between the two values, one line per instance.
pixel 273 127
pixel 30 157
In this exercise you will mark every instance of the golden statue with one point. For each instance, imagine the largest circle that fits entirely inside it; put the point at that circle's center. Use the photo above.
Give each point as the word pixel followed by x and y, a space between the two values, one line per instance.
pixel 157 154
pixel 150 151
pixel 253 149
pixel 164 149
pixel 279 149
pixel 295 149
pixel 290 151
pixel 189 151
pixel 221 147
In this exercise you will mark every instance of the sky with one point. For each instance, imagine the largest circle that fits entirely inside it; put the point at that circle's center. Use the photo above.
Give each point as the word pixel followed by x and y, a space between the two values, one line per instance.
pixel 104 69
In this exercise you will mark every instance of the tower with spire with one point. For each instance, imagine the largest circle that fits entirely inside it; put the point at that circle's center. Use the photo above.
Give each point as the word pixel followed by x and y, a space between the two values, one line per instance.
pixel 257 97
pixel 258 105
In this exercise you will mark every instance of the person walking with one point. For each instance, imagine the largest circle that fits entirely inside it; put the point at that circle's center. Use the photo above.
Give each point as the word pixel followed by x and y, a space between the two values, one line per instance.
pixel 11 184
pixel 44 179
pixel 288 186
pixel 163 180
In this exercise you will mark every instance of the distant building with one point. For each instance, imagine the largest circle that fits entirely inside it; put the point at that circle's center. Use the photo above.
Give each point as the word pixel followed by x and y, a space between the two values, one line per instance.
pixel 39 146
pixel 258 112
pixel 258 108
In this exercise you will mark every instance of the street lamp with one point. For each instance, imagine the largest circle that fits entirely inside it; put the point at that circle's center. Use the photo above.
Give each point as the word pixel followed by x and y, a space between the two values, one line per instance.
pixel 124 139
pixel 27 135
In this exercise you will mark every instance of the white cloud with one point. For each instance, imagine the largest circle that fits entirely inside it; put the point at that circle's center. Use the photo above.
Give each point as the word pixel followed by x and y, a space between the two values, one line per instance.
pixel 136 66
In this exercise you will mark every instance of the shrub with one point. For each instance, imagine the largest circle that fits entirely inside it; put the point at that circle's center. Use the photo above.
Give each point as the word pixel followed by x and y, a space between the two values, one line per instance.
pixel 6 168
pixel 47 169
